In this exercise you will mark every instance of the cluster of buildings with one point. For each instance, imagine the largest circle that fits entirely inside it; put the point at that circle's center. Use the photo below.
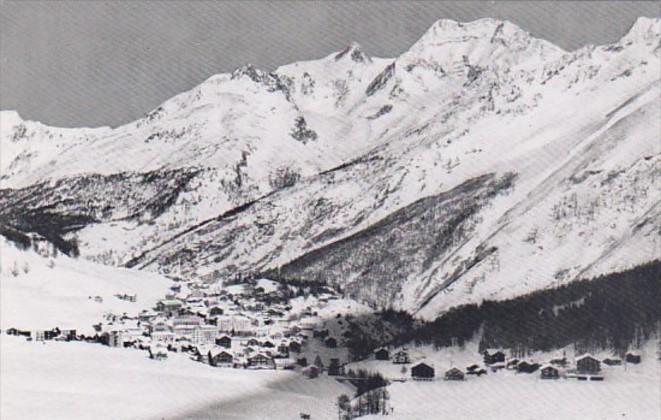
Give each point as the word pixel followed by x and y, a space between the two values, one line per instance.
pixel 248 325
pixel 587 367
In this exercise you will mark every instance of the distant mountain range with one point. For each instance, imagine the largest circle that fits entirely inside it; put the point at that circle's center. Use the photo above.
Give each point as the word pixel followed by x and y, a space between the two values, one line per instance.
pixel 481 163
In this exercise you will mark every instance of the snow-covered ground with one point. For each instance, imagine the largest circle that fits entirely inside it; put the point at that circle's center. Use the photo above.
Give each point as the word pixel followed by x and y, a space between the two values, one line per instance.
pixel 59 380
pixel 634 394
pixel 627 392
pixel 49 292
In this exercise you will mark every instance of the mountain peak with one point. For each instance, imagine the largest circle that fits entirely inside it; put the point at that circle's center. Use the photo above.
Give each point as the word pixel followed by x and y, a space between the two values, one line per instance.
pixel 9 118
pixel 644 28
pixel 484 42
pixel 354 52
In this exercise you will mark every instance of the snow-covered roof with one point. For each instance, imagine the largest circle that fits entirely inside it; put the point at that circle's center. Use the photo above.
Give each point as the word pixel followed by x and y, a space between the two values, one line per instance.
pixel 585 356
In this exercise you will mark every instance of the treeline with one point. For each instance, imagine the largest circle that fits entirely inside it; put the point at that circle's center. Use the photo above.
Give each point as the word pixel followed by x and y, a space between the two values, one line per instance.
pixel 612 311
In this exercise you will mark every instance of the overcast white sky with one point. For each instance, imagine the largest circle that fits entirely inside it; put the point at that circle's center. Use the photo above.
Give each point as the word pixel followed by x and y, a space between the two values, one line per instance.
pixel 107 63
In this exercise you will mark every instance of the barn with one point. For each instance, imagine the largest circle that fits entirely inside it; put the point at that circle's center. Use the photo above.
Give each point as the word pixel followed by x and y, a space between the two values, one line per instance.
pixel 224 341
pixel 261 361
pixel 493 356
pixel 526 367
pixel 632 357
pixel 382 354
pixel 422 372
pixel 549 372
pixel 587 364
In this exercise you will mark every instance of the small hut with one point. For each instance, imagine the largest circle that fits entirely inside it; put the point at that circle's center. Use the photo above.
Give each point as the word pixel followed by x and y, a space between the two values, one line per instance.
pixel 632 357
pixel 612 361
pixel 454 374
pixel 526 367
pixel 549 372
pixel 382 354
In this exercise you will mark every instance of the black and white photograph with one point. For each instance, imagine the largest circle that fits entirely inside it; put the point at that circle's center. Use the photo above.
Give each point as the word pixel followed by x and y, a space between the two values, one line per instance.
pixel 330 210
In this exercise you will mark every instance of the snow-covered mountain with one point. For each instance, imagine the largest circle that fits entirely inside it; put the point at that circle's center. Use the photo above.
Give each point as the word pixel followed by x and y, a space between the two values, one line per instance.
pixel 481 163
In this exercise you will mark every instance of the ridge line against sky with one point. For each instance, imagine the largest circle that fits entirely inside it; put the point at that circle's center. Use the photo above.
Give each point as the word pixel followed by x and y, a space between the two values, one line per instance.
pixel 75 64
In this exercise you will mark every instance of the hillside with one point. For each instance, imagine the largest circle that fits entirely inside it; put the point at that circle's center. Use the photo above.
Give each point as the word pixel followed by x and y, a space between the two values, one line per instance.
pixel 44 292
pixel 467 168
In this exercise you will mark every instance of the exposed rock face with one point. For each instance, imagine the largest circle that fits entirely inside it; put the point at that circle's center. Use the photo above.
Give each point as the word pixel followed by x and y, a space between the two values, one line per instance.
pixel 481 163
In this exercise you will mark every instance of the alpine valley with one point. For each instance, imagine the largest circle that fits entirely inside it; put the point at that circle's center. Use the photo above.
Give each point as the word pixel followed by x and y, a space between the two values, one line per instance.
pixel 482 164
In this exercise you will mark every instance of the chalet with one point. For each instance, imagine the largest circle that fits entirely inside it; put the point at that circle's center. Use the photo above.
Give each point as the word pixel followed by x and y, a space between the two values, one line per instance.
pixel 268 344
pixel 612 362
pixel 526 367
pixel 549 372
pixel 586 364
pixel 382 354
pixel 168 305
pixel 224 341
pixel 334 368
pixel 261 361
pixel 330 342
pixel 454 374
pixel 493 356
pixel 401 358
pixel 221 358
pixel 422 372
pixel 632 357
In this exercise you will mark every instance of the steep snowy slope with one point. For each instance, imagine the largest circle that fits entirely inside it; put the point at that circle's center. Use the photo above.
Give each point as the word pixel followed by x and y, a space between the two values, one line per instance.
pixel 480 163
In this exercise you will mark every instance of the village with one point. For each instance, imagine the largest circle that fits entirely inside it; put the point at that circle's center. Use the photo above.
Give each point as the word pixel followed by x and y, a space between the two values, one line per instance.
pixel 251 323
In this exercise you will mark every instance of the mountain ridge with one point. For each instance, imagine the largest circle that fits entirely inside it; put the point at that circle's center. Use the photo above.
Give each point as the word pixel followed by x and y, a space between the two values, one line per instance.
pixel 280 165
